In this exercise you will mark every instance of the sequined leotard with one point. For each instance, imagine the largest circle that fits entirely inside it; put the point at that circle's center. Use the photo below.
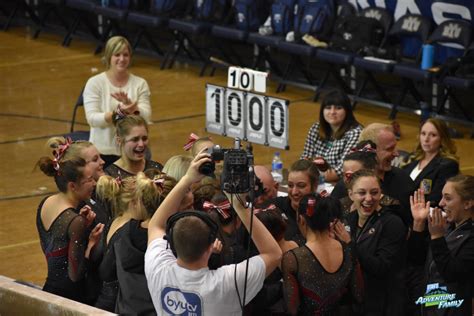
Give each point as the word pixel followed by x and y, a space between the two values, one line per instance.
pixel 64 245
pixel 308 287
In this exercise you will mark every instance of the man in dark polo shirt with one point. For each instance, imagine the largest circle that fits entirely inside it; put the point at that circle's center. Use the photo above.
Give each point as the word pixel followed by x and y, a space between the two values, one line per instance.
pixel 395 182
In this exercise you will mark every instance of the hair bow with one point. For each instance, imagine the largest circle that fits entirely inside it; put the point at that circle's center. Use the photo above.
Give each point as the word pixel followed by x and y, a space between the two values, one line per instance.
pixel 59 153
pixel 159 182
pixel 366 149
pixel 268 208
pixel 222 208
pixel 118 179
pixel 348 175
pixel 310 207
pixel 191 140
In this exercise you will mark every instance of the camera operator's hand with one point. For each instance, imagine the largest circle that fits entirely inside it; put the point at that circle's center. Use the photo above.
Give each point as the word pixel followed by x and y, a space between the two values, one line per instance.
pixel 193 175
pixel 217 246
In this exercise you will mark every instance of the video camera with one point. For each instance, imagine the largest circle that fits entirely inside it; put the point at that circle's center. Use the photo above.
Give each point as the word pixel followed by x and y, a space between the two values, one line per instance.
pixel 238 166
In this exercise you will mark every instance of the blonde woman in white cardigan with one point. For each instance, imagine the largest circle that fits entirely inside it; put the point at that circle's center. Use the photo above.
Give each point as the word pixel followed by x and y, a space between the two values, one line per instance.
pixel 114 93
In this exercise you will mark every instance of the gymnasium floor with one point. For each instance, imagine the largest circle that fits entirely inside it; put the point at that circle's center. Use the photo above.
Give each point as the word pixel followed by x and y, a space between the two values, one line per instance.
pixel 39 83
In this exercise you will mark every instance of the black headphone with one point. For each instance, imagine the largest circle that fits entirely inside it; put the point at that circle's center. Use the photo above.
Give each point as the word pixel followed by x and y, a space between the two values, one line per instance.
pixel 172 220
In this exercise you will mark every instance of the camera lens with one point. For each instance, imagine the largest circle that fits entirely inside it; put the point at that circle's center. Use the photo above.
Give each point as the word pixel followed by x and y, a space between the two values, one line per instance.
pixel 207 168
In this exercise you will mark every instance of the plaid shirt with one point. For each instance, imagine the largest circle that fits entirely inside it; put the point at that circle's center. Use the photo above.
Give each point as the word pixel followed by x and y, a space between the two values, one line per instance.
pixel 332 151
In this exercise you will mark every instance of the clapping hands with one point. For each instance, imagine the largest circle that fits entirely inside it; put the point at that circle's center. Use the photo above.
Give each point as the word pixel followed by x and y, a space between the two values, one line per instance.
pixel 127 106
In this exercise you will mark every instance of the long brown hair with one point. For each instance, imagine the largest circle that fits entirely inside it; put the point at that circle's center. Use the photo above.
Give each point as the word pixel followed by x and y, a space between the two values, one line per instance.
pixel 447 147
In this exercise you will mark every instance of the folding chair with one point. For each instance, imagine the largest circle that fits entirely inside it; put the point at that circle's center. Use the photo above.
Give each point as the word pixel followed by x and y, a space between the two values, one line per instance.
pixel 227 37
pixel 300 51
pixel 368 66
pixel 452 81
pixel 186 31
pixel 84 11
pixel 336 59
pixel 77 135
pixel 48 7
pixel 146 22
pixel 19 5
pixel 113 17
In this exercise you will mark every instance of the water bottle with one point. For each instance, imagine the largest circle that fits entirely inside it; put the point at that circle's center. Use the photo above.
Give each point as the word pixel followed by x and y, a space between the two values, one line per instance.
pixel 277 168
pixel 427 57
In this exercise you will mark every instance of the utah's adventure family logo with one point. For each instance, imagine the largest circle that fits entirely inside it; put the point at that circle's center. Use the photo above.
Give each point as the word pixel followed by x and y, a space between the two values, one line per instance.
pixel 438 296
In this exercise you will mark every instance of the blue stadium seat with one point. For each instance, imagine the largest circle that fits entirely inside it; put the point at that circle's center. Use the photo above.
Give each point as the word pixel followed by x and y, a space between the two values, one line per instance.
pixel 113 19
pixel 84 13
pixel 370 67
pixel 449 32
pixel 145 23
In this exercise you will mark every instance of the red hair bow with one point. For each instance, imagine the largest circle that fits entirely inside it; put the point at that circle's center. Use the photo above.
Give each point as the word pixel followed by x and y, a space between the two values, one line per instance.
pixel 268 208
pixel 191 140
pixel 310 207
pixel 222 208
pixel 366 149
pixel 159 182
pixel 59 153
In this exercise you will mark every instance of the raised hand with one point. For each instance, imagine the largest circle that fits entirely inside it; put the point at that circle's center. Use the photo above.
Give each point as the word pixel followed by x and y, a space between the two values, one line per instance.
pixel 122 97
pixel 217 246
pixel 437 224
pixel 94 238
pixel 193 173
pixel 419 208
pixel 131 108
pixel 88 214
pixel 341 233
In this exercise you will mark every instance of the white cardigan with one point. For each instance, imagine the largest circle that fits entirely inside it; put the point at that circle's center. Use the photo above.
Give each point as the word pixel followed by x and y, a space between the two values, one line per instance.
pixel 97 101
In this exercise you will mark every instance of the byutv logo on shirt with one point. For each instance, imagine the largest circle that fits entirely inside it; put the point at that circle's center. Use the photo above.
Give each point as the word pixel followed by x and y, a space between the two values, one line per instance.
pixel 176 302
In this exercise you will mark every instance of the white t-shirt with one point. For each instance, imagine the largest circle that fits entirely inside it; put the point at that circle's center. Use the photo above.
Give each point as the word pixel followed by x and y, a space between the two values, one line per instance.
pixel 179 291
pixel 97 101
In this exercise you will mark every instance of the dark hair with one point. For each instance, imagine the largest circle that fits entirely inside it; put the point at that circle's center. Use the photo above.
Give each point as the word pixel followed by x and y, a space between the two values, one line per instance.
pixel 324 211
pixel 216 216
pixel 360 174
pixel 338 98
pixel 310 168
pixel 71 170
pixel 191 238
pixel 273 221
pixel 204 191
pixel 366 158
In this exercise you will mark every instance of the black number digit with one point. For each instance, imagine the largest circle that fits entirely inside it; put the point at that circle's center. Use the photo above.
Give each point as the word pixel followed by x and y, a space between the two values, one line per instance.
pixel 217 95
pixel 256 101
pixel 277 106
pixel 230 98
pixel 244 79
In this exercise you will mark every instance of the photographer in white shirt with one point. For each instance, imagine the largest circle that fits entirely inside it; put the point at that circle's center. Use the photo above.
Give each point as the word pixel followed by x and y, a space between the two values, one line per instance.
pixel 185 285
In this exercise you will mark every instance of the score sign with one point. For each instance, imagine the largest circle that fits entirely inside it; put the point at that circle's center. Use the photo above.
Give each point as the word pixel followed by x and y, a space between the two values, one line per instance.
pixel 247 79
pixel 249 116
